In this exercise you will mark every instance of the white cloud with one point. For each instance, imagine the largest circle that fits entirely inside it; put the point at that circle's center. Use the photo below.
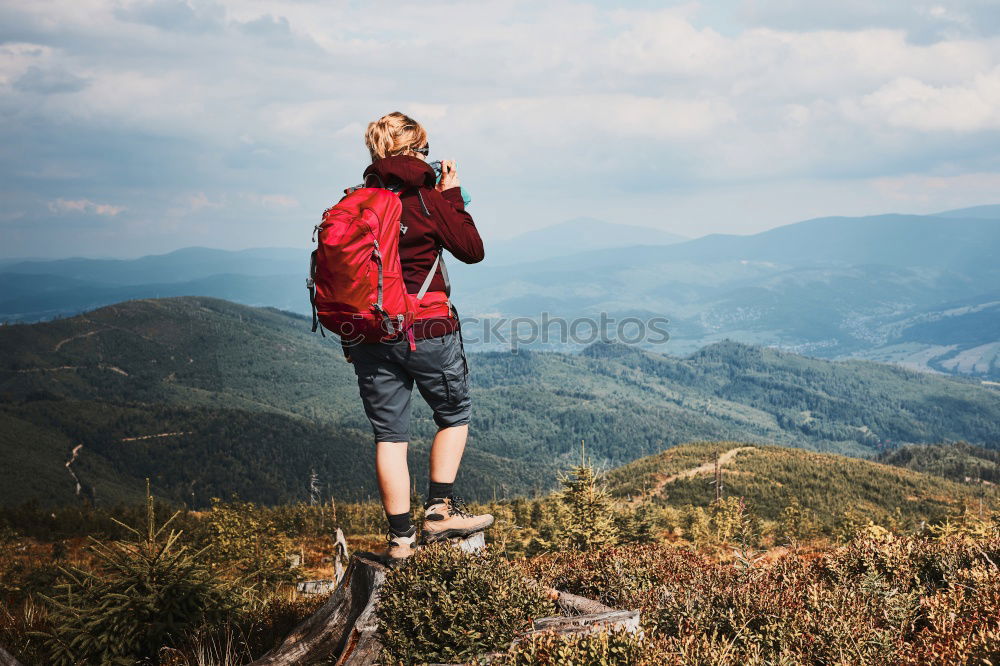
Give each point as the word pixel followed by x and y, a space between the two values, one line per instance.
pixel 912 104
pixel 16 58
pixel 84 206
pixel 273 200
pixel 922 21
pixel 201 200
pixel 145 102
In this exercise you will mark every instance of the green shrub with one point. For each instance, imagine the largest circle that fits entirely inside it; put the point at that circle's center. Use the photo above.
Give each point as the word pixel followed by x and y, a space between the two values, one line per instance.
pixel 881 599
pixel 616 648
pixel 245 537
pixel 144 595
pixel 725 520
pixel 444 605
pixel 621 577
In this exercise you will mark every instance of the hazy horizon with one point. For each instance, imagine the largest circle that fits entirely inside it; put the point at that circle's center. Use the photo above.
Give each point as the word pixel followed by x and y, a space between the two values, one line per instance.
pixel 140 126
pixel 302 246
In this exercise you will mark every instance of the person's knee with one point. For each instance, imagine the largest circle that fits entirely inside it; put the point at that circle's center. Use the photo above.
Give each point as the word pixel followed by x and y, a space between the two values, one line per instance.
pixel 443 422
pixel 391 437
pixel 451 420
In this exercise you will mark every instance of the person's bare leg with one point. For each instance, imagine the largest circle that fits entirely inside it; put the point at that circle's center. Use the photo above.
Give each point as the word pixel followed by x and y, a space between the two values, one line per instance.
pixel 443 519
pixel 446 453
pixel 393 476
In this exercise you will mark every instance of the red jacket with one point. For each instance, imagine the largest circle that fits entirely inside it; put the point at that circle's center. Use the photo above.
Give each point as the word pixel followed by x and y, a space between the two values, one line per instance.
pixel 430 220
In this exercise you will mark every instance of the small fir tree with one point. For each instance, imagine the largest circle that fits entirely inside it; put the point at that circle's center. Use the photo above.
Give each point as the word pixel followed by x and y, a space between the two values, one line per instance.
pixel 590 520
pixel 144 594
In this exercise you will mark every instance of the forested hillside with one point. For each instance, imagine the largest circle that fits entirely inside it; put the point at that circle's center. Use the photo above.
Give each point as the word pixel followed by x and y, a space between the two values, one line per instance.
pixel 209 398
pixel 958 461
pixel 825 493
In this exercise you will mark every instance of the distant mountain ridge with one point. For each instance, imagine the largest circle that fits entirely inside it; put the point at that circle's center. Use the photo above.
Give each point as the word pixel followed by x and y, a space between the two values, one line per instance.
pixel 988 212
pixel 942 242
pixel 184 265
pixel 881 287
pixel 572 237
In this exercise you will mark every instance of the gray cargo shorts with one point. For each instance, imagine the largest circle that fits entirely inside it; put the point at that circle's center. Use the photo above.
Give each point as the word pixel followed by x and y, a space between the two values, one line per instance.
pixel 386 372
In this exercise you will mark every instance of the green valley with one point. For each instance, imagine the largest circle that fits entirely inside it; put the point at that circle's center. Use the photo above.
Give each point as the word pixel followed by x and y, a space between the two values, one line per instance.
pixel 209 398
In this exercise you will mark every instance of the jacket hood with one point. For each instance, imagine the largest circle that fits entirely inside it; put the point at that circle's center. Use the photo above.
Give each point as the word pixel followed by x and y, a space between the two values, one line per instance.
pixel 404 170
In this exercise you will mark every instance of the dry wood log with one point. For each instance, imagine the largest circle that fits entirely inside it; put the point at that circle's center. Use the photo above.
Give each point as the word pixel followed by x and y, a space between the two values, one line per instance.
pixel 573 604
pixel 587 624
pixel 322 586
pixel 7 659
pixel 580 616
pixel 568 603
pixel 340 554
pixel 332 629
pixel 575 625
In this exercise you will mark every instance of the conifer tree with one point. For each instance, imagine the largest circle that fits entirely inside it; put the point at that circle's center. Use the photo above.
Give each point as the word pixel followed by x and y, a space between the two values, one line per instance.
pixel 144 593
pixel 590 522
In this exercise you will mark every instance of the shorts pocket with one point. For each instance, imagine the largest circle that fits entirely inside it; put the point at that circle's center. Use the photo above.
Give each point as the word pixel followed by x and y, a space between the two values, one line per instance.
pixel 456 385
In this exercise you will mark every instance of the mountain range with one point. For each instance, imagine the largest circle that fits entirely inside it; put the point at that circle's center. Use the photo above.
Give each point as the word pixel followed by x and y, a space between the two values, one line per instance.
pixel 209 398
pixel 922 291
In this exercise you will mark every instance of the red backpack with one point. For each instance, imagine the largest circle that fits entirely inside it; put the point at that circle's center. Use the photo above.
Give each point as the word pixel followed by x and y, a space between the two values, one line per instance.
pixel 355 278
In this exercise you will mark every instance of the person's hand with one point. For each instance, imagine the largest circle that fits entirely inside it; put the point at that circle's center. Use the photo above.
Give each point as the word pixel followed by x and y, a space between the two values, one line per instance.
pixel 449 176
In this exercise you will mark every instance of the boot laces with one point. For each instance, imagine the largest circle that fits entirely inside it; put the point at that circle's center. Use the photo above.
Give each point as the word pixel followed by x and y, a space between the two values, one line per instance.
pixel 460 508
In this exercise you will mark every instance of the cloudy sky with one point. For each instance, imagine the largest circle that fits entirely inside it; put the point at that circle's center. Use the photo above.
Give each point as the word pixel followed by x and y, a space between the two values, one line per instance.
pixel 139 126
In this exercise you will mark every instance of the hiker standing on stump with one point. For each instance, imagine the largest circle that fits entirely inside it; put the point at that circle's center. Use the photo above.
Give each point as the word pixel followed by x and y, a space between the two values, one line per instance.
pixel 419 340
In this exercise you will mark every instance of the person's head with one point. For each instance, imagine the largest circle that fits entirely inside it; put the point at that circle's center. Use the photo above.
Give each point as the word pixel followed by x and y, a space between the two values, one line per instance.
pixel 396 134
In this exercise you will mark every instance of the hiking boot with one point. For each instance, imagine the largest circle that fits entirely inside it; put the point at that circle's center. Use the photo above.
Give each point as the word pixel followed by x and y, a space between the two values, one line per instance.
pixel 448 518
pixel 399 548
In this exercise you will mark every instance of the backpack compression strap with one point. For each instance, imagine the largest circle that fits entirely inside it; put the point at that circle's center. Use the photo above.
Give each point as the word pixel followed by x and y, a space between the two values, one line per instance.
pixel 438 261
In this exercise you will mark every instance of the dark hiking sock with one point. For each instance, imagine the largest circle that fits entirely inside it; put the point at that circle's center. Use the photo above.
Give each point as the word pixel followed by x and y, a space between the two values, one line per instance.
pixel 437 492
pixel 399 524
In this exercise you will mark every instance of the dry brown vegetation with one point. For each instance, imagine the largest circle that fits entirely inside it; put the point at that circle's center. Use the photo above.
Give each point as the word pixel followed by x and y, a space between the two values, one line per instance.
pixel 813 580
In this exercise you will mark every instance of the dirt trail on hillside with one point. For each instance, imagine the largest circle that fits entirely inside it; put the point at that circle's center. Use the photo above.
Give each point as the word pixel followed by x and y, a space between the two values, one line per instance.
pixel 156 436
pixel 76 337
pixel 706 468
pixel 100 366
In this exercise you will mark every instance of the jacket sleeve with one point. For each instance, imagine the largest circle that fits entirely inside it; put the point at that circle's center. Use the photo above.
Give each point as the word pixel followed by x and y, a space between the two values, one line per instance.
pixel 456 230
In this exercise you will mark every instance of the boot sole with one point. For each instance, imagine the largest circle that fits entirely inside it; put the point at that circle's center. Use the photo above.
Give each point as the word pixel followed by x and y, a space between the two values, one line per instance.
pixel 435 537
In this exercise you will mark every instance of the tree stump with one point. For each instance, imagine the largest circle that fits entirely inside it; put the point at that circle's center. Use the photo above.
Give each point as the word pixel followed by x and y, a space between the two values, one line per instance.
pixel 342 628
pixel 470 544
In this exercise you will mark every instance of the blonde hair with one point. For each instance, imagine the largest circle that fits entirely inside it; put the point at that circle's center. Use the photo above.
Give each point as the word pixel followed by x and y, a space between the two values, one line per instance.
pixel 394 134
